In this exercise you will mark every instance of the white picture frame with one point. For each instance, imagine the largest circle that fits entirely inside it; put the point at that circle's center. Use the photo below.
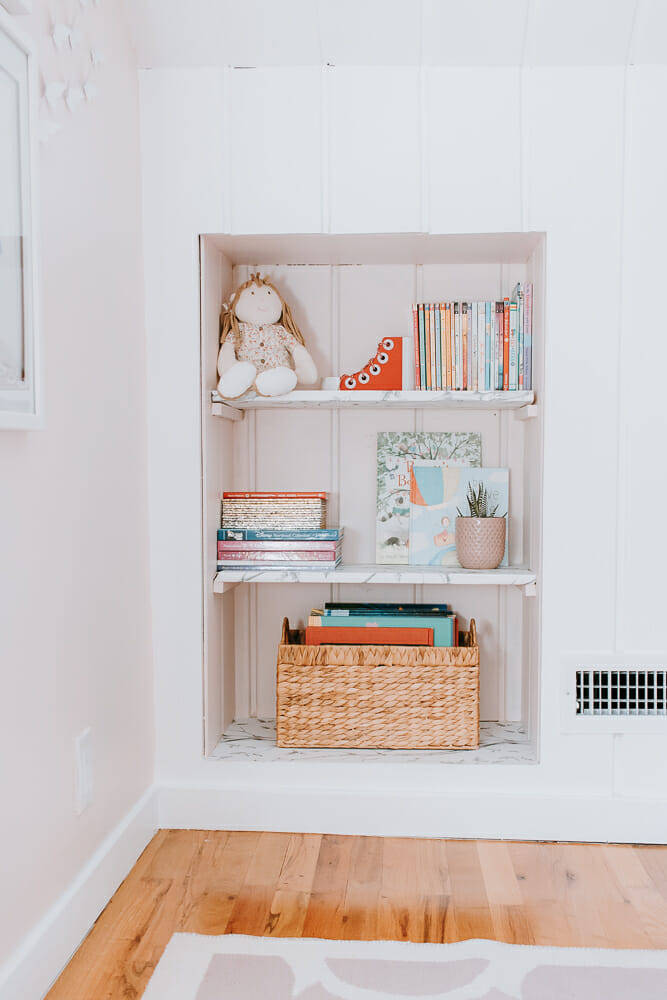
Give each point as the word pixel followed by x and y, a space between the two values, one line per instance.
pixel 20 354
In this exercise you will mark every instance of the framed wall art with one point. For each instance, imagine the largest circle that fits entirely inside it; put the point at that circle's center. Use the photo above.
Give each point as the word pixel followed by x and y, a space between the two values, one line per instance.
pixel 20 376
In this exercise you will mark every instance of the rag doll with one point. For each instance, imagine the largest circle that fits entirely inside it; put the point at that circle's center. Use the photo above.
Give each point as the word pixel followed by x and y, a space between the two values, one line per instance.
pixel 260 344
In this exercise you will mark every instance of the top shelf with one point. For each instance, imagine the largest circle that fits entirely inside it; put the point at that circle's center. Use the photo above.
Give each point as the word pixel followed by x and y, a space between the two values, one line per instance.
pixel 337 399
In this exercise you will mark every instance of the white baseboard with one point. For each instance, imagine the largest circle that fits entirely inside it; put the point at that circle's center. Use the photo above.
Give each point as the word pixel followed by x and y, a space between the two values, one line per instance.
pixel 505 817
pixel 44 952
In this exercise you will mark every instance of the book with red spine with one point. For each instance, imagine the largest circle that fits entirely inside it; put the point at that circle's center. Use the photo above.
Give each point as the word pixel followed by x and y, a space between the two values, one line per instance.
pixel 306 545
pixel 448 346
pixel 427 330
pixel 321 635
pixel 506 343
pixel 277 556
pixel 235 495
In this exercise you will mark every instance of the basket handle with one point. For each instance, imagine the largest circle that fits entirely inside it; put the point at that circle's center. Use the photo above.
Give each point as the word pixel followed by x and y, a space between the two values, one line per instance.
pixel 473 632
pixel 284 639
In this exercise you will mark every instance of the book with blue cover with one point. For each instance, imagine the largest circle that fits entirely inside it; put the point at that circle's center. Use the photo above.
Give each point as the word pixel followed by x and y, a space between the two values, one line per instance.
pixel 443 625
pixel 436 495
pixel 278 535
pixel 396 451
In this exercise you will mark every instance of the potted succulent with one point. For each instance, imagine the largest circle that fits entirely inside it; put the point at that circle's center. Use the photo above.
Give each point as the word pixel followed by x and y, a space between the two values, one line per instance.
pixel 480 535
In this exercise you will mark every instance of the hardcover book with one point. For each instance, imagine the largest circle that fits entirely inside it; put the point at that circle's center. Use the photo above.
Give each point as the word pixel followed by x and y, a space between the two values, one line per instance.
pixel 442 625
pixel 276 534
pixel 396 451
pixel 359 636
pixel 437 493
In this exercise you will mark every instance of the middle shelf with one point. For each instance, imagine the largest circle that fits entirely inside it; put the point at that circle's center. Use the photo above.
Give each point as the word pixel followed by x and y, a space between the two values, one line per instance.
pixel 504 576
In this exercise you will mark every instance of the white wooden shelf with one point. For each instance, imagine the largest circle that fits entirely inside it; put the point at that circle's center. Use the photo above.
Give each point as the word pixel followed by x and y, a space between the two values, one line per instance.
pixel 505 576
pixel 337 399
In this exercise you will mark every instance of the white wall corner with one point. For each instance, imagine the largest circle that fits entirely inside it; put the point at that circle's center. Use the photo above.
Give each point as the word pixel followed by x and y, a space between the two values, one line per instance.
pixel 37 962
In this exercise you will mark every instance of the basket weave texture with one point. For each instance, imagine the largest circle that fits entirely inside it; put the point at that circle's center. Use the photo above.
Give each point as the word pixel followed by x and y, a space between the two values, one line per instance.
pixel 373 697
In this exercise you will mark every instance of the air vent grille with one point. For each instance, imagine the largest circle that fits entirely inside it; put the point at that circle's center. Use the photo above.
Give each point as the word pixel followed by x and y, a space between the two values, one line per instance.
pixel 630 692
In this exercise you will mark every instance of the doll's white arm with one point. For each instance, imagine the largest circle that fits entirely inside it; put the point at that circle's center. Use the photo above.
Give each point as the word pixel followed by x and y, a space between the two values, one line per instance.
pixel 227 356
pixel 304 366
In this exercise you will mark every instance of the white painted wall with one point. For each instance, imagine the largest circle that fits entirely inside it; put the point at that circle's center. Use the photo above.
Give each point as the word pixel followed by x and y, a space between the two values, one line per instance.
pixel 570 150
pixel 74 591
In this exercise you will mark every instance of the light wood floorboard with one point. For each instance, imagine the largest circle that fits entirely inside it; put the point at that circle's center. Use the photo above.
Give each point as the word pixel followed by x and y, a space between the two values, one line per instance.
pixel 302 885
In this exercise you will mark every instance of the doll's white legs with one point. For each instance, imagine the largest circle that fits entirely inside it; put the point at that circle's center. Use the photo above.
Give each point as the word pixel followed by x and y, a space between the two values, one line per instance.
pixel 275 381
pixel 237 379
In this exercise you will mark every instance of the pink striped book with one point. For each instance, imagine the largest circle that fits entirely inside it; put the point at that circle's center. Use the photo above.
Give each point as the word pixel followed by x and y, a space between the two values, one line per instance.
pixel 278 546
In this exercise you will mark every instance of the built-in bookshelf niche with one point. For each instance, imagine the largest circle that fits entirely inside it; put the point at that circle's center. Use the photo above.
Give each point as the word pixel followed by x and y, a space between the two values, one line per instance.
pixel 346 292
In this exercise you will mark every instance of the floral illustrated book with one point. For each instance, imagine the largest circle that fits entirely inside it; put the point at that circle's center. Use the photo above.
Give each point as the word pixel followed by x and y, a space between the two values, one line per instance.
pixel 435 494
pixel 396 453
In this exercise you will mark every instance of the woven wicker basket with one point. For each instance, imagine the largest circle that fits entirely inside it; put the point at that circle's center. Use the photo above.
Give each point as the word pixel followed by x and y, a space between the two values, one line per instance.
pixel 392 697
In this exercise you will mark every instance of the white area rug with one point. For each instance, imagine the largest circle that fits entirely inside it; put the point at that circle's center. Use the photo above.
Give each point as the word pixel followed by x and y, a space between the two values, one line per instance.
pixel 236 967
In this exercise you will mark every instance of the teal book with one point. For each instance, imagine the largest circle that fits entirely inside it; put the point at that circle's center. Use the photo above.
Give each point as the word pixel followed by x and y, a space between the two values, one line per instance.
pixel 443 627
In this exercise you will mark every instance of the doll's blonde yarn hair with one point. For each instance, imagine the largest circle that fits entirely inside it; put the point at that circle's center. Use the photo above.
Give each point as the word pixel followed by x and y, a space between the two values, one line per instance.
pixel 229 323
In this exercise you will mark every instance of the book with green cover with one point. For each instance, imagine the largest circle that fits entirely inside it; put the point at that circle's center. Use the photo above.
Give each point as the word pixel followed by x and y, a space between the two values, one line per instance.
pixel 442 625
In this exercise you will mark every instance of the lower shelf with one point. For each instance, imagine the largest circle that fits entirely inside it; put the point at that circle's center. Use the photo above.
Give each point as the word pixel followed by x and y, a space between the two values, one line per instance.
pixel 255 740
pixel 504 576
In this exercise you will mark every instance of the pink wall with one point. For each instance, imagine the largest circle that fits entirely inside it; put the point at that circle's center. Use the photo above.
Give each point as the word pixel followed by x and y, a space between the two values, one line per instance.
pixel 74 594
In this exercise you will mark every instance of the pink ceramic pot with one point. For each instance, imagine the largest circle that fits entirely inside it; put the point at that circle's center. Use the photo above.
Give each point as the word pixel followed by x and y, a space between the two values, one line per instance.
pixel 480 541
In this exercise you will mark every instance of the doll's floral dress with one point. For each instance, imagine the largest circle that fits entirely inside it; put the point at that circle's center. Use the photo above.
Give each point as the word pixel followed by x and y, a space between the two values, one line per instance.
pixel 267 346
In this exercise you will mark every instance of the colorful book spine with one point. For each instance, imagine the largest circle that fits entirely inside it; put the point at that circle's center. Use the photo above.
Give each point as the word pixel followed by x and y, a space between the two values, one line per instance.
pixel 272 534
pixel 228 495
pixel 520 338
pixel 281 556
pixel 415 337
pixel 350 635
pixel 481 347
pixel 514 355
pixel 344 608
pixel 434 347
pixel 528 338
pixel 474 345
pixel 422 346
pixel 429 347
pixel 456 366
pixel 438 352
pixel 448 345
pixel 506 343
pixel 488 345
pixel 282 545
pixel 499 344
pixel 465 327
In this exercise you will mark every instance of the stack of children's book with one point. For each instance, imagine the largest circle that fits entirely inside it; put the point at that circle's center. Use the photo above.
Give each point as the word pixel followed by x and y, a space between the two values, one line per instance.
pixel 277 531
pixel 383 625
pixel 475 346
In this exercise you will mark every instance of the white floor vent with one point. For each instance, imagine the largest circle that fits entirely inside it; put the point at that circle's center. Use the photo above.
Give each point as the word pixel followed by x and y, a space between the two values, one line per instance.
pixel 619 697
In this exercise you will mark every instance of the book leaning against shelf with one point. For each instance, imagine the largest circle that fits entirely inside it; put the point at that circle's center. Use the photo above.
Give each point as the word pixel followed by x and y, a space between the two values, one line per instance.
pixel 482 346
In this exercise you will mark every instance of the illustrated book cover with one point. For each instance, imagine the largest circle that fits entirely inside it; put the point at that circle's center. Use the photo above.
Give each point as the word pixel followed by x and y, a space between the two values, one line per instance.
pixel 396 452
pixel 435 494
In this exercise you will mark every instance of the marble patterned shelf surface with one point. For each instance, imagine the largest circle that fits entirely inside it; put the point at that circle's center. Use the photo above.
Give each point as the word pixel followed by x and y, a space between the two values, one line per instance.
pixel 334 399
pixel 506 576
pixel 255 740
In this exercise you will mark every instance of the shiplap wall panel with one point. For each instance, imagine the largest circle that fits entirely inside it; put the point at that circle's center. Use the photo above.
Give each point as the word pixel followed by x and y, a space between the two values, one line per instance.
pixel 182 195
pixel 484 33
pixel 275 155
pixel 374 155
pixel 574 161
pixel 373 302
pixel 643 424
pixel 473 144
pixel 385 33
pixel 579 205
pixel 572 33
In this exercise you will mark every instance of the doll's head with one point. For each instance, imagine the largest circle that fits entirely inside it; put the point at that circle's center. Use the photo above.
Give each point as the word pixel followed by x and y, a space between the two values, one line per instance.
pixel 259 302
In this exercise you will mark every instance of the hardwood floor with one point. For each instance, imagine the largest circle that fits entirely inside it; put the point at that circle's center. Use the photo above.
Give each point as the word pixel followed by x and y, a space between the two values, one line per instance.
pixel 367 887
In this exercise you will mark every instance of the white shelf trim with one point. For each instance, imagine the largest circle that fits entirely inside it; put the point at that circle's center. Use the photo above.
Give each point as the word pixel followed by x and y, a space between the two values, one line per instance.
pixel 505 576
pixel 335 399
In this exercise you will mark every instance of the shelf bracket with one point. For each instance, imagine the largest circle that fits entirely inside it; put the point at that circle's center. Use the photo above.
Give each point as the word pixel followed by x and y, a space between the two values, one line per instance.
pixel 224 588
pixel 526 412
pixel 530 589
pixel 227 411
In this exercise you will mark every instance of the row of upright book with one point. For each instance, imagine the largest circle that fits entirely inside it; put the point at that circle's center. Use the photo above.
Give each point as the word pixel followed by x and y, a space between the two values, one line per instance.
pixel 352 623
pixel 277 531
pixel 475 346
